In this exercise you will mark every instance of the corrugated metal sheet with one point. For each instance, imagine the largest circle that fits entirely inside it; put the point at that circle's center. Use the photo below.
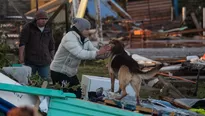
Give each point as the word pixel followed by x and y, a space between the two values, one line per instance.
pixel 77 107
pixel 150 11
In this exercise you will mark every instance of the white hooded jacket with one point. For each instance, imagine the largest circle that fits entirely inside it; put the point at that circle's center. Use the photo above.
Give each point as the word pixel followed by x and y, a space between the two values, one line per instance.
pixel 70 53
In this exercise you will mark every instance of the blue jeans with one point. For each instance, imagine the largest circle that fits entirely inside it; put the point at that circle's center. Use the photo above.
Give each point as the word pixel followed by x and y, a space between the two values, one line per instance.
pixel 43 70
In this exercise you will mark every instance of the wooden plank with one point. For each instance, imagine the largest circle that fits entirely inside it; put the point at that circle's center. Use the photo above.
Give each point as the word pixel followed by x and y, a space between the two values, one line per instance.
pixel 177 77
pixel 110 102
pixel 82 7
pixel 152 4
pixel 55 13
pixel 151 1
pixel 188 31
pixel 147 110
pixel 195 20
pixel 99 34
pixel 183 14
pixel 137 2
pixel 35 91
pixel 141 11
pixel 75 4
pixel 171 100
pixel 46 6
pixel 155 16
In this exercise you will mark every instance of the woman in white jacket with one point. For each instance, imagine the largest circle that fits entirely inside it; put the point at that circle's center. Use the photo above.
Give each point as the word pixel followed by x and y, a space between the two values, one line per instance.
pixel 73 48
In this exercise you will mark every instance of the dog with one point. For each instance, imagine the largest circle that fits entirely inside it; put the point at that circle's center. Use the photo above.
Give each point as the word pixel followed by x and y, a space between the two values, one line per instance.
pixel 121 65
pixel 23 111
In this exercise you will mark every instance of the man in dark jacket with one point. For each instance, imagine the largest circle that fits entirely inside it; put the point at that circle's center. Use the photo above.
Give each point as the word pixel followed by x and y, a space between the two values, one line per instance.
pixel 36 47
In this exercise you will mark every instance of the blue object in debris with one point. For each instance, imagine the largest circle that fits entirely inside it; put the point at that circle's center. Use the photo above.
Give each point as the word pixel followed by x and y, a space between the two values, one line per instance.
pixel 3 109
pixel 176 9
pixel 5 106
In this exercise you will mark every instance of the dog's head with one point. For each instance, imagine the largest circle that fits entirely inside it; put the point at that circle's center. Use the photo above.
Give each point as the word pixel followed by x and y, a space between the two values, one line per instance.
pixel 116 46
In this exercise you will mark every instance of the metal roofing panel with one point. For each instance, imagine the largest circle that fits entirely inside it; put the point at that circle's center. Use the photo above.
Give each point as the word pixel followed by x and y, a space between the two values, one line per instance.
pixel 35 91
pixel 77 107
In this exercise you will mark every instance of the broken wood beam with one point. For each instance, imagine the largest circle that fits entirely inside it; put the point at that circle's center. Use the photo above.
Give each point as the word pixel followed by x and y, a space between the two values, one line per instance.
pixel 196 23
pixel 46 6
pixel 169 87
pixel 193 77
pixel 195 20
pixel 171 100
pixel 177 77
pixel 56 13
pixel 188 31
pixel 146 110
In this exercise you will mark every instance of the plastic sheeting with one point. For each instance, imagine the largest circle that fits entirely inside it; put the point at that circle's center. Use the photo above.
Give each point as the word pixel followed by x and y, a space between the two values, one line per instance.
pixel 21 74
pixel 192 103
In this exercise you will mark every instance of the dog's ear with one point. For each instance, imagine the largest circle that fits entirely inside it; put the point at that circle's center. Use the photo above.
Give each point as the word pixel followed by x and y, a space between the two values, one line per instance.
pixel 117 42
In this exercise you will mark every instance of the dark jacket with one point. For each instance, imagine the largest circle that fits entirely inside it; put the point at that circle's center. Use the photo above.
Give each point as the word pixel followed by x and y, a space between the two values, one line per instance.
pixel 38 45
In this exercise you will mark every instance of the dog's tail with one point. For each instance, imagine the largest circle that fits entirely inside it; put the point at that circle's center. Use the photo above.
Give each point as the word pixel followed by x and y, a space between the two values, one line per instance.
pixel 151 73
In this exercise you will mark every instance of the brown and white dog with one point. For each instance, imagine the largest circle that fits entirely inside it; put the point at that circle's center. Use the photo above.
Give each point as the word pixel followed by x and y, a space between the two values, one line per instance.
pixel 127 70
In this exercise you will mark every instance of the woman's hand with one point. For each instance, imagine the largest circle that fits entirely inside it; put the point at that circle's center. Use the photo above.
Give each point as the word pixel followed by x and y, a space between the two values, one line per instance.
pixel 104 49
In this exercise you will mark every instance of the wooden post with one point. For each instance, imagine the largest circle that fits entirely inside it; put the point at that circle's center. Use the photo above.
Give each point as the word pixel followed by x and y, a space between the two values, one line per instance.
pixel 204 21
pixel 99 34
pixel 183 14
pixel 66 16
pixel 36 5
pixel 75 4
pixel 82 8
